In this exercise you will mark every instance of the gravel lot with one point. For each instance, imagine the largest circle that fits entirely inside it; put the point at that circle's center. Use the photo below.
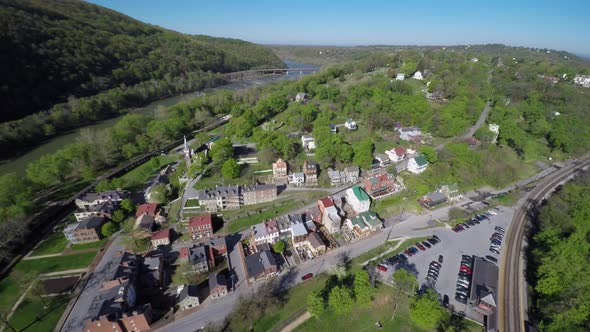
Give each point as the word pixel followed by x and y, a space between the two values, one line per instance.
pixel 472 241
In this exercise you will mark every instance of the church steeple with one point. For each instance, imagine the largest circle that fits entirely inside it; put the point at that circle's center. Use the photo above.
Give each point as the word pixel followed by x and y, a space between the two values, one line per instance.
pixel 187 151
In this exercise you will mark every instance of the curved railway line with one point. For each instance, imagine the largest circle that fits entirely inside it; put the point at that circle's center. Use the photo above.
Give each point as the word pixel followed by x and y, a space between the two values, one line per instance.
pixel 511 284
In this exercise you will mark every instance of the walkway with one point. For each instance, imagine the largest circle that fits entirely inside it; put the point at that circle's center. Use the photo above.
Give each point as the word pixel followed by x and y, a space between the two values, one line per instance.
pixel 482 118
pixel 401 241
pixel 300 320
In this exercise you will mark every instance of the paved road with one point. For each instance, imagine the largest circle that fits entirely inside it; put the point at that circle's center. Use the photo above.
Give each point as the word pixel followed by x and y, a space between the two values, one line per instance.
pixel 480 121
pixel 75 321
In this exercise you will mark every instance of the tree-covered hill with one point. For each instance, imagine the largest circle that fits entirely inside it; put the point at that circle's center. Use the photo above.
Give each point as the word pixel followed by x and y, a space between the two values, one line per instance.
pixel 51 50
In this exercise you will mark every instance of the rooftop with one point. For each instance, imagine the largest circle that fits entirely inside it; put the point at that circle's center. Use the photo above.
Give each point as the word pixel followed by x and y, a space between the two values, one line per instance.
pixel 163 234
pixel 148 208
pixel 326 202
pixel 200 220
pixel 421 161
pixel 360 194
pixel 91 222
pixel 315 240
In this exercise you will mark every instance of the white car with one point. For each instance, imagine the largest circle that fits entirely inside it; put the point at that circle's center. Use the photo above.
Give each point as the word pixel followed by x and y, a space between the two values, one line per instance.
pixel 492 212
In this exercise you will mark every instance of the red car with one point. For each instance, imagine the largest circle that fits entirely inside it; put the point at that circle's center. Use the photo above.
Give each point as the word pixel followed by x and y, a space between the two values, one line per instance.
pixel 465 269
pixel 382 267
pixel 420 246
pixel 307 276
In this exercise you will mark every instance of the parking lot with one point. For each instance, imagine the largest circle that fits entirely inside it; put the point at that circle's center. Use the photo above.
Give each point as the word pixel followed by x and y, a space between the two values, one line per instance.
pixel 474 240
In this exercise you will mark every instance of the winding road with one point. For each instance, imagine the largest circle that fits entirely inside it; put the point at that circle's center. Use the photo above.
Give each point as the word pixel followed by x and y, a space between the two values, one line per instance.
pixel 512 290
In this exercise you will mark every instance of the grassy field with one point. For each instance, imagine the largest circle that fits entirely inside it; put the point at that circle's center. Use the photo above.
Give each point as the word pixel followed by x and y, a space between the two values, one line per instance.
pixel 143 172
pixel 32 315
pixel 191 203
pixel 53 264
pixel 54 244
pixel 395 204
pixel 10 290
pixel 92 245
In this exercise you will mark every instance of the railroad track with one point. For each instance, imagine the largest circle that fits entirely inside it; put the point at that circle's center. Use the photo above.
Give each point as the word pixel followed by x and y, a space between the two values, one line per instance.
pixel 511 298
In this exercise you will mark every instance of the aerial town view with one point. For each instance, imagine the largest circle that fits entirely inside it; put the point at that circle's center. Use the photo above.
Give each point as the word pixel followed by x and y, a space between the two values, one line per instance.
pixel 183 166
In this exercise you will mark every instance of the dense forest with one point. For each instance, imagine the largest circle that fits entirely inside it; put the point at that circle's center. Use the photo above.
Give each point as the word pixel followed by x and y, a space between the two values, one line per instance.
pixel 558 260
pixel 67 63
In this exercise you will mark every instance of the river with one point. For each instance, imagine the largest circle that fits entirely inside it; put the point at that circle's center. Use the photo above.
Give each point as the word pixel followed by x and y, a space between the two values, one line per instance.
pixel 19 164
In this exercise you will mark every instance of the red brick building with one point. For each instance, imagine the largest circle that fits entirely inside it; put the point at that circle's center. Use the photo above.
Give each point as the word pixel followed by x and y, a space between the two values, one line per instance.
pixel 379 184
pixel 148 208
pixel 200 226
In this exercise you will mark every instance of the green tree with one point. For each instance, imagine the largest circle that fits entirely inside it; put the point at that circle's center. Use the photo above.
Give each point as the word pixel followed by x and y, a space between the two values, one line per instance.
pixel 363 290
pixel 363 153
pixel 426 311
pixel 340 299
pixel 405 285
pixel 159 194
pixel 279 247
pixel 155 163
pixel 230 169
pixel 221 150
pixel 118 216
pixel 316 305
pixel 429 153
pixel 108 229
pixel 128 206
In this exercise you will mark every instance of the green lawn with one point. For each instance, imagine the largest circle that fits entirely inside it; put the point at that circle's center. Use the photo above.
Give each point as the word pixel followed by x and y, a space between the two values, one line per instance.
pixel 91 245
pixel 54 244
pixel 395 204
pixel 143 172
pixel 191 203
pixel 54 264
pixel 10 290
pixel 32 315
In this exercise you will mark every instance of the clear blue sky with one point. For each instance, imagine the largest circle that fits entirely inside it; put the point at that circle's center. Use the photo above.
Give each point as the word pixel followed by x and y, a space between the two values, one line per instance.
pixel 557 24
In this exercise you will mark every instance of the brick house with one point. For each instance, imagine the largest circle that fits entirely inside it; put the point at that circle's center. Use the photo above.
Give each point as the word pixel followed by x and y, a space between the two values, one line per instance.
pixel 310 169
pixel 200 226
pixel 330 218
pixel 87 230
pixel 149 208
pixel 378 184
pixel 161 238
pixel 280 170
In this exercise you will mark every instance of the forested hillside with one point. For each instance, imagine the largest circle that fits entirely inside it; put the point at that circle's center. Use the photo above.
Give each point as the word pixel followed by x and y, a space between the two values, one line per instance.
pixel 560 273
pixel 61 51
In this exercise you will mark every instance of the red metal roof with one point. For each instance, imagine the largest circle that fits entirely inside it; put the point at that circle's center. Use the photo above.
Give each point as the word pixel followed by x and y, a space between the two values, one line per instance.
pixel 399 151
pixel 327 202
pixel 163 234
pixel 200 220
pixel 149 209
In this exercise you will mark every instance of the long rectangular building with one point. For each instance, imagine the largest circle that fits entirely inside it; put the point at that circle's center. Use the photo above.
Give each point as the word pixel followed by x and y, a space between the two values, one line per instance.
pixel 233 197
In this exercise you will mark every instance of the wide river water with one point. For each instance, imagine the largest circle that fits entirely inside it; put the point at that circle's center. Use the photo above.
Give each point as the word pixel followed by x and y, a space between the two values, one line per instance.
pixel 20 163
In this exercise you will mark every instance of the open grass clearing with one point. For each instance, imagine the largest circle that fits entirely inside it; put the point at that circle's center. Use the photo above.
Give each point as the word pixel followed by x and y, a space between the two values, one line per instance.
pixel 32 314
pixel 54 244
pixel 55 264
pixel 91 245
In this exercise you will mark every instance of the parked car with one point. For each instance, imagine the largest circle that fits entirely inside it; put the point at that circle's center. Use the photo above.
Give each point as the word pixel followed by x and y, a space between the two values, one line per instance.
pixel 497 242
pixel 492 259
pixel 414 250
pixel 382 268
pixel 492 212
pixel 465 269
pixel 436 238
pixel 307 276
pixel 461 298
pixel 445 301
pixel 499 229
pixel 440 258
pixel 420 246
pixel 426 244
pixel 495 250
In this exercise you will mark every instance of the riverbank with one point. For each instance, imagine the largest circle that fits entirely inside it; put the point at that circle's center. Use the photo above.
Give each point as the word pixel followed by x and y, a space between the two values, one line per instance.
pixel 19 163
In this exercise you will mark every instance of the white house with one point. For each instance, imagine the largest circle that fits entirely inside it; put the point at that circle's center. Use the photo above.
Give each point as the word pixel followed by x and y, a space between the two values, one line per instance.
pixel 350 124
pixel 400 77
pixel 474 59
pixel 297 178
pixel 417 165
pixel 308 142
pixel 259 234
pixel 396 154
pixel 418 76
pixel 382 159
pixel 494 128
pixel 301 97
pixel 358 199
pixel 409 133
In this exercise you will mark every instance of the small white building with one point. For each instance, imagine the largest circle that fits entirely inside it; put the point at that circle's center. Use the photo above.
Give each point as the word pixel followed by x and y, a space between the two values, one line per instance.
pixel 494 128
pixel 418 76
pixel 417 165
pixel 396 154
pixel 301 97
pixel 474 59
pixel 358 199
pixel 308 142
pixel 350 124
pixel 400 77
pixel 297 178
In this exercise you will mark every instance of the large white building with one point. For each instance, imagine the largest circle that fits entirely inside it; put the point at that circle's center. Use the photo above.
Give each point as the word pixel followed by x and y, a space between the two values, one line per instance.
pixel 358 199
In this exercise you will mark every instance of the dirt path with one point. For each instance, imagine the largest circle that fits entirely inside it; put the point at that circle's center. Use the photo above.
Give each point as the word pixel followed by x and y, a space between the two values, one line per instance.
pixel 480 121
pixel 300 320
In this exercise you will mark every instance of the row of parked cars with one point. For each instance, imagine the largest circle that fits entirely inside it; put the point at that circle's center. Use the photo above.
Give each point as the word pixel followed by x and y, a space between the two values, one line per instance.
pixel 464 279
pixel 496 240
pixel 422 246
pixel 476 220
pixel 433 271
pixel 403 257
